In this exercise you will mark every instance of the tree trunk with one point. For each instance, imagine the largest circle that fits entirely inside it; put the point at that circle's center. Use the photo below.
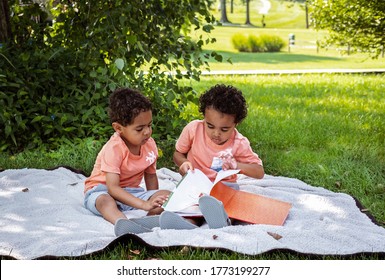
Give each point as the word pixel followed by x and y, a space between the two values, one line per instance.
pixel 224 18
pixel 248 12
pixel 5 27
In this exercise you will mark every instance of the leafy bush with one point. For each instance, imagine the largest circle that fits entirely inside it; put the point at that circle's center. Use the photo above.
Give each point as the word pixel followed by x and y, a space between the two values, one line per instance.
pixel 272 43
pixel 240 42
pixel 45 99
pixel 55 78
pixel 261 43
pixel 255 44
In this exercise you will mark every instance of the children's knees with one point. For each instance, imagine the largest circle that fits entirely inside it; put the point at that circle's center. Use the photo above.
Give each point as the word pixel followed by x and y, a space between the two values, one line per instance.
pixel 104 200
pixel 163 192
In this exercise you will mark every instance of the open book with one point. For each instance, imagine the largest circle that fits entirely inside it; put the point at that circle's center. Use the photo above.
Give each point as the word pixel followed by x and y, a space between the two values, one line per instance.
pixel 185 196
pixel 240 205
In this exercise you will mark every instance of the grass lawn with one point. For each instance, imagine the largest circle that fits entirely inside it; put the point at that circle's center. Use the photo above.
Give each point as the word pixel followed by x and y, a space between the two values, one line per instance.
pixel 303 55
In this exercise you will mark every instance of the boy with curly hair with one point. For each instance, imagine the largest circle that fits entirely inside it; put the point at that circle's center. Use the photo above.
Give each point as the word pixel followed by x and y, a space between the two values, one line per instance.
pixel 214 143
pixel 129 156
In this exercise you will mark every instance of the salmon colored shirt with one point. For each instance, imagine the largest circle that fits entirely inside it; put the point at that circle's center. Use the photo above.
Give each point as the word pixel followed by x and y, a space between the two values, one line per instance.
pixel 115 157
pixel 203 153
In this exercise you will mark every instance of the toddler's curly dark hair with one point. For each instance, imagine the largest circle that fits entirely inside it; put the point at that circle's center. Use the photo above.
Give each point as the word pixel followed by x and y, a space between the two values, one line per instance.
pixel 125 104
pixel 225 99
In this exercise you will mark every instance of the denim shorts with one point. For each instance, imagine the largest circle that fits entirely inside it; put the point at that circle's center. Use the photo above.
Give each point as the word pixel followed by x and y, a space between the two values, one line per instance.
pixel 234 186
pixel 92 194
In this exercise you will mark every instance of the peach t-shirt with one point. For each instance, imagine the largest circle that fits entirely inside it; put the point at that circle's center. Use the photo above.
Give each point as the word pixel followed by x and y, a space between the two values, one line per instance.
pixel 115 157
pixel 203 153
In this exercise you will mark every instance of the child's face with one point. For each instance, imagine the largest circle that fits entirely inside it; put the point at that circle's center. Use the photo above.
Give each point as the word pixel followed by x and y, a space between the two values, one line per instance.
pixel 219 126
pixel 138 132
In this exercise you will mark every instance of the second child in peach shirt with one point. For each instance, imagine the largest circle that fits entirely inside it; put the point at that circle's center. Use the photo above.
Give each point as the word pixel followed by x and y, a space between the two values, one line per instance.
pixel 214 143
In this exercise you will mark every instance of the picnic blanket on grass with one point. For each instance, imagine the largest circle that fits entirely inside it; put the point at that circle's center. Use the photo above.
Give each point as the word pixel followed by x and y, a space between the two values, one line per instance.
pixel 42 214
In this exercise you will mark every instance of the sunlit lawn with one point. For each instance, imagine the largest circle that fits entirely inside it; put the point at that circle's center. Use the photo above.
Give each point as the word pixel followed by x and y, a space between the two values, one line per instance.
pixel 303 55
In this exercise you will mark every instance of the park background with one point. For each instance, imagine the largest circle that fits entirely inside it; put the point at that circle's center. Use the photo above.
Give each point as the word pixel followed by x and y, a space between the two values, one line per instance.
pixel 326 129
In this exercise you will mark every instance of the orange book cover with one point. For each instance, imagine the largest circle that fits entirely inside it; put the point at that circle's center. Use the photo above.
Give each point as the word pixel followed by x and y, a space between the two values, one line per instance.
pixel 250 207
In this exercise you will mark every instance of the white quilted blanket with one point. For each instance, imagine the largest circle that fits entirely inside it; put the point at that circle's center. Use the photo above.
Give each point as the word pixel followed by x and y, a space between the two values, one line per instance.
pixel 41 214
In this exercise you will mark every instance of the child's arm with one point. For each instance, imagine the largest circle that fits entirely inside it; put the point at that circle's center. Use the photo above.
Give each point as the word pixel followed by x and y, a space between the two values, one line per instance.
pixel 182 162
pixel 151 181
pixel 112 181
pixel 253 170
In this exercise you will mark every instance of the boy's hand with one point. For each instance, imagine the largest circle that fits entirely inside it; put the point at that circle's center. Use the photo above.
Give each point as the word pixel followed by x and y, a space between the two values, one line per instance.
pixel 228 161
pixel 154 202
pixel 230 164
pixel 184 167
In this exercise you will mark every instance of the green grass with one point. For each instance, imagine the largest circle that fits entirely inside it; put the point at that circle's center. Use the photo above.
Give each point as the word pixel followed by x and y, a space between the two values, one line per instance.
pixel 327 130
pixel 303 55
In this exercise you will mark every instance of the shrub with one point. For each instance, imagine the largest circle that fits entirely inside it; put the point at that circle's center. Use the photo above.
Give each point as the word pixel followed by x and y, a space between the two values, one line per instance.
pixel 55 75
pixel 240 42
pixel 261 43
pixel 45 99
pixel 256 44
pixel 272 43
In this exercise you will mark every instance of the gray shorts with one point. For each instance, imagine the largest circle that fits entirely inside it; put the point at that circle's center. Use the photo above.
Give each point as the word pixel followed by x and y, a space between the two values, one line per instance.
pixel 234 186
pixel 92 194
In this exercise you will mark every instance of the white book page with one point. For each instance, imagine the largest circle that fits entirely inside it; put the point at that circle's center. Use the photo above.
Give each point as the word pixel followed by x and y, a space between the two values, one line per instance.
pixel 225 173
pixel 187 192
pixel 191 187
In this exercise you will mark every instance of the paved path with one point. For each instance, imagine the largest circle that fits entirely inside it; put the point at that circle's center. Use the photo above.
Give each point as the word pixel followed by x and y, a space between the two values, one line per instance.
pixel 294 71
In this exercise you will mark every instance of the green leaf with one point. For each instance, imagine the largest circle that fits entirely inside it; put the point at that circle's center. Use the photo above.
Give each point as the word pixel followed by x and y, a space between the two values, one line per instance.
pixel 37 119
pixel 119 63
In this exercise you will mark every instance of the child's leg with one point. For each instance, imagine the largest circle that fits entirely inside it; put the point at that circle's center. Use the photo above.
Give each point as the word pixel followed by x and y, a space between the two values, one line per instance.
pixel 171 220
pixel 99 202
pixel 107 207
pixel 198 221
